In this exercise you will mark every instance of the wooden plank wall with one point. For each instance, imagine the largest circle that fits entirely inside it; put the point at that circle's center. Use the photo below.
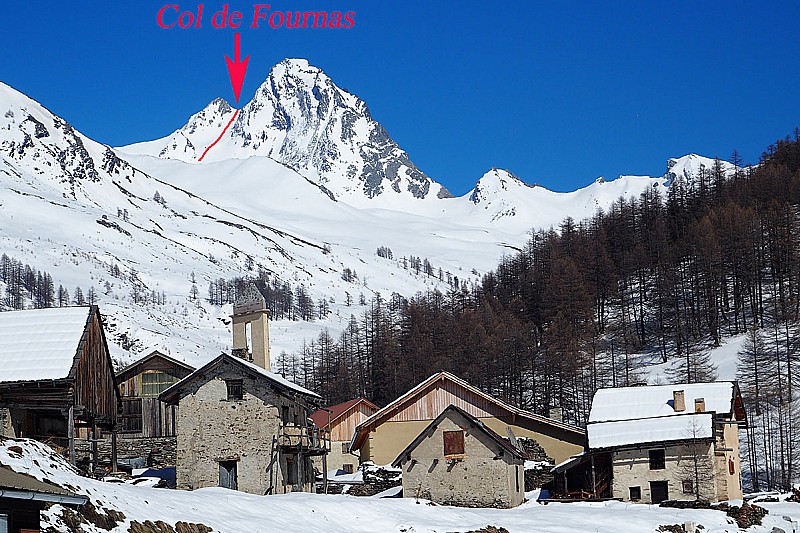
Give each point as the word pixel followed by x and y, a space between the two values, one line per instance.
pixel 344 428
pixel 158 419
pixel 431 402
pixel 94 379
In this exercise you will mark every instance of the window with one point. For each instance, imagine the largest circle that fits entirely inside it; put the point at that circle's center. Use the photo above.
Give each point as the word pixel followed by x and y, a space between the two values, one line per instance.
pixel 132 415
pixel 227 475
pixel 154 383
pixel 345 447
pixel 285 414
pixel 234 389
pixel 657 461
pixel 688 486
pixel 636 493
pixel 347 468
pixel 453 442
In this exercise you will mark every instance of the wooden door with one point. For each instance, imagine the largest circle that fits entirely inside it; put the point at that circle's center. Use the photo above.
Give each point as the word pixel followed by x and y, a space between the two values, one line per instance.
pixel 659 491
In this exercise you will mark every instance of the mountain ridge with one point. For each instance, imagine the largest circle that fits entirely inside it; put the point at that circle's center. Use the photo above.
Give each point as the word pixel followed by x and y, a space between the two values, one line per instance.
pixel 128 225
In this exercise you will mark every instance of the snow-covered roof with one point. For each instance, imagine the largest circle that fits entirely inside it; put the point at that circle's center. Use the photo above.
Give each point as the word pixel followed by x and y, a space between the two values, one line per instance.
pixel 40 344
pixel 633 403
pixel 656 429
pixel 278 378
pixel 171 393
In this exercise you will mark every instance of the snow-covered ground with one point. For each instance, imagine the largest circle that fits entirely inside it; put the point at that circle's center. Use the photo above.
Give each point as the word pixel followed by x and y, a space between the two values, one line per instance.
pixel 232 512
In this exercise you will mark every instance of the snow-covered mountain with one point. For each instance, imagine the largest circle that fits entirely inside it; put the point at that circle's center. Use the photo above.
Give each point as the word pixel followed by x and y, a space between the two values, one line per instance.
pixel 299 117
pixel 278 192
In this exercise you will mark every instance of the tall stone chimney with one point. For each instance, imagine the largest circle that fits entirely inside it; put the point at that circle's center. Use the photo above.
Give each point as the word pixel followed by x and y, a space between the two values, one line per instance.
pixel 250 309
pixel 678 401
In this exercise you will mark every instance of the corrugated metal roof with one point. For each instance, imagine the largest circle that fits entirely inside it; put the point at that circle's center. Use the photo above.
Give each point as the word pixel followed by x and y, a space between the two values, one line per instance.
pixel 40 344
pixel 15 485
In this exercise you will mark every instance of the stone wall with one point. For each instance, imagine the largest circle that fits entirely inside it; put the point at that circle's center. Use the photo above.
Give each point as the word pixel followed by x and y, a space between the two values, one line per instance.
pixel 475 480
pixel 158 452
pixel 212 429
pixel 632 469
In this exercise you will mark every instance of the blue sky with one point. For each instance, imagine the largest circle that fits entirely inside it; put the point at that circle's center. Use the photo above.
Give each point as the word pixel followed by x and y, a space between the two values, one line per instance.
pixel 558 94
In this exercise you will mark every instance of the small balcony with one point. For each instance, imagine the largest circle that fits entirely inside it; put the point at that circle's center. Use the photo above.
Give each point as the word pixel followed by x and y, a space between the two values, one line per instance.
pixel 309 440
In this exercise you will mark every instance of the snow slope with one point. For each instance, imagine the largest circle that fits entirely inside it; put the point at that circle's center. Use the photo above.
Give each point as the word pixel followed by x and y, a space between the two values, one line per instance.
pixel 232 512
pixel 276 192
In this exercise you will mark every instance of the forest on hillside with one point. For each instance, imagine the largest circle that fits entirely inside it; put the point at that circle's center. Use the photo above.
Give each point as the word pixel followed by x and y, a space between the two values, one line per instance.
pixel 585 305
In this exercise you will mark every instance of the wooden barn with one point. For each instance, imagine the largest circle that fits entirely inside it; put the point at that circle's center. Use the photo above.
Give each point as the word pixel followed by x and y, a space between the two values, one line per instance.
pixel 341 421
pixel 56 376
pixel 381 437
pixel 143 414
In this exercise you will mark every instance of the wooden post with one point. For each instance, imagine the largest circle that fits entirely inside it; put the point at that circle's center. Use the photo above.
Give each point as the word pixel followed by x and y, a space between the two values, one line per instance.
pixel 594 479
pixel 114 450
pixel 94 447
pixel 325 473
pixel 71 434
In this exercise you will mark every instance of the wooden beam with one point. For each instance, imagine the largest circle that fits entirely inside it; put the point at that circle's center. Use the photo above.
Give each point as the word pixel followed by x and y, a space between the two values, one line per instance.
pixel 71 435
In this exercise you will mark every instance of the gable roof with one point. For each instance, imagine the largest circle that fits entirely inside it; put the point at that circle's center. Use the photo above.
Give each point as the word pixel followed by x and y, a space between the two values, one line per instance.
pixel 14 485
pixel 629 403
pixel 473 422
pixel 42 344
pixel 172 393
pixel 638 415
pixel 155 354
pixel 337 411
pixel 387 412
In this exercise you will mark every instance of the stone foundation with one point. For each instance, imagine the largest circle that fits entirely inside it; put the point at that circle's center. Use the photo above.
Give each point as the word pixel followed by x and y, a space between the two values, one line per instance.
pixel 158 452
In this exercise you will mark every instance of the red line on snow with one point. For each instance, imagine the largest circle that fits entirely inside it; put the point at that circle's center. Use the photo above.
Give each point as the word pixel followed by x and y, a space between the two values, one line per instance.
pixel 210 146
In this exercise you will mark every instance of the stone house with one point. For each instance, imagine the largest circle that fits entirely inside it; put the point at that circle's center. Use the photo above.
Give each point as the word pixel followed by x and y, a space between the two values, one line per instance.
pixel 23 498
pixel 665 442
pixel 57 379
pixel 382 436
pixel 340 421
pixel 241 426
pixel 459 460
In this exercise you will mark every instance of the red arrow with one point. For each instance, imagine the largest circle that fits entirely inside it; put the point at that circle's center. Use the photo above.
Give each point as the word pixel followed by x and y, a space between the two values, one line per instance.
pixel 237 68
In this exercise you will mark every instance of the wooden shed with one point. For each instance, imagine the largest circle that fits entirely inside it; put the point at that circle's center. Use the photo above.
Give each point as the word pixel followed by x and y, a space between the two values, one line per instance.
pixel 22 499
pixel 143 414
pixel 56 375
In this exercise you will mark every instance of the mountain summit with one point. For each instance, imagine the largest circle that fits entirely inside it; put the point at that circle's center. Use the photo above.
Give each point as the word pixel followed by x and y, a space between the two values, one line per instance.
pixel 302 119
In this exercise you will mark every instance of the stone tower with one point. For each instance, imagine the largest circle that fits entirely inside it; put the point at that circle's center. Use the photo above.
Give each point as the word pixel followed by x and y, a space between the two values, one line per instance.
pixel 251 326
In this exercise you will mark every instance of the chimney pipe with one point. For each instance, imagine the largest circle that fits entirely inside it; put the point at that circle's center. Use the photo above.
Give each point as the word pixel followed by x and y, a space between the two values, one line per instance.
pixel 678 401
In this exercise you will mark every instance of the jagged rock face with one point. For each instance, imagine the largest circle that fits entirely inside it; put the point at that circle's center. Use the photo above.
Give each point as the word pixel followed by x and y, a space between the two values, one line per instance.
pixel 300 118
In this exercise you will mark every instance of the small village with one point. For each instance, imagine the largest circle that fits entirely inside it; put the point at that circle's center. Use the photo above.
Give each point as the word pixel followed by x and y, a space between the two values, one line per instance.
pixel 234 424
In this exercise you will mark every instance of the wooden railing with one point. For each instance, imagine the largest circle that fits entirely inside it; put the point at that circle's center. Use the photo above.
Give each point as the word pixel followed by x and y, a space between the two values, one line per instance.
pixel 306 438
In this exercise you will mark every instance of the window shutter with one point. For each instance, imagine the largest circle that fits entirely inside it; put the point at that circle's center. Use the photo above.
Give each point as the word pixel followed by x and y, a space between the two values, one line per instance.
pixel 453 442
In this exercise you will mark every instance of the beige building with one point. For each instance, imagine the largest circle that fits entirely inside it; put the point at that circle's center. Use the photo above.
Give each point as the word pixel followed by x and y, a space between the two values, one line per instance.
pixel 240 426
pixel 341 421
pixel 667 442
pixel 458 460
pixel 389 431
